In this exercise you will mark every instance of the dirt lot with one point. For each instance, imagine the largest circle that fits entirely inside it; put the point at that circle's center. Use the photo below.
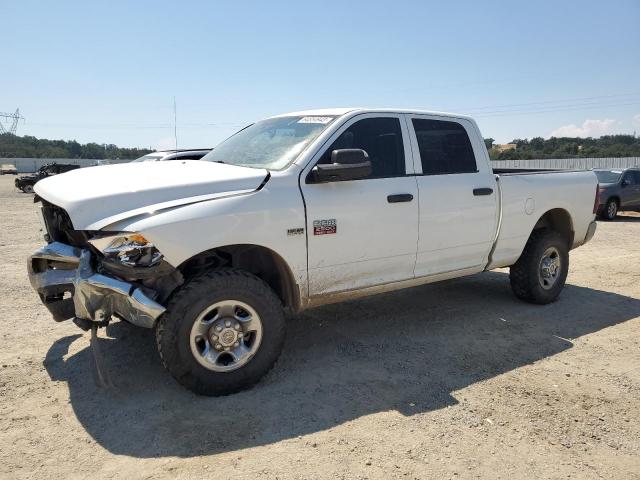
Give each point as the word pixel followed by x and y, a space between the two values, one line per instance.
pixel 454 380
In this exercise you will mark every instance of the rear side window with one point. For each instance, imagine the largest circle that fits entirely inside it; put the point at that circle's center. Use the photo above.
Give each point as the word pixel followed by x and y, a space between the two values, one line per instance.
pixel 444 147
pixel 381 138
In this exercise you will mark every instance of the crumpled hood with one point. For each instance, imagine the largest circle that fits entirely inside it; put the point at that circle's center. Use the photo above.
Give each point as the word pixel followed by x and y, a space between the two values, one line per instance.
pixel 95 197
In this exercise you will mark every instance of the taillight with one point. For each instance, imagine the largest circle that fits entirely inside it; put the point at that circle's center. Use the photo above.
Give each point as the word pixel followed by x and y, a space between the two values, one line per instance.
pixel 596 202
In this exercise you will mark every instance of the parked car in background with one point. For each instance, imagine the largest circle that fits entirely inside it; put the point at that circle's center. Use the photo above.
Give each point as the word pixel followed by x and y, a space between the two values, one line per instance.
pixel 26 182
pixel 164 155
pixel 294 212
pixel 619 191
pixel 7 169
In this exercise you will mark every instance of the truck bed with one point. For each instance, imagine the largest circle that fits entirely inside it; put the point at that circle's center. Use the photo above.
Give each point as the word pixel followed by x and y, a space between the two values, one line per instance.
pixel 527 194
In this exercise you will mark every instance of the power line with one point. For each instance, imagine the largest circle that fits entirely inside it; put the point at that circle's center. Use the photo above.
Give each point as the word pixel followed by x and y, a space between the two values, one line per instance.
pixel 568 108
pixel 565 100
pixel 505 110
pixel 135 125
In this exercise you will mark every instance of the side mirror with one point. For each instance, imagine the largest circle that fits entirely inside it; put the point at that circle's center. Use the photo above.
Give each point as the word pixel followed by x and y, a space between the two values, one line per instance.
pixel 626 182
pixel 346 164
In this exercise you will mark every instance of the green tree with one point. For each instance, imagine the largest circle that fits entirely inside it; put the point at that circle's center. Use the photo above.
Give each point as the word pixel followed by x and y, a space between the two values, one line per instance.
pixel 13 146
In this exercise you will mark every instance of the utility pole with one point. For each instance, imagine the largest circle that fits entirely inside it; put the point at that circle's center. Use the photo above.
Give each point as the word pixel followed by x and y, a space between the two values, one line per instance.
pixel 175 123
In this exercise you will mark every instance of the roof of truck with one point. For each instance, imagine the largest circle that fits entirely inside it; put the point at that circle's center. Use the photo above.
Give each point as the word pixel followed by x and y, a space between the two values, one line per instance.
pixel 345 110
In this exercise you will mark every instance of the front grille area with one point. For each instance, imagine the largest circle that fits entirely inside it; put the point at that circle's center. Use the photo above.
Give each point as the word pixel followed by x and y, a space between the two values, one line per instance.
pixel 60 228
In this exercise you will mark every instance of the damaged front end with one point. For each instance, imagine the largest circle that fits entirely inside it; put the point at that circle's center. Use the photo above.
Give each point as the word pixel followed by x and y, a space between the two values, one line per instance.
pixel 100 276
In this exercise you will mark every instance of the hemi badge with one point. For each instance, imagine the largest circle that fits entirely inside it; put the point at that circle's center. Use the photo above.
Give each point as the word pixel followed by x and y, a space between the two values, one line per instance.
pixel 295 231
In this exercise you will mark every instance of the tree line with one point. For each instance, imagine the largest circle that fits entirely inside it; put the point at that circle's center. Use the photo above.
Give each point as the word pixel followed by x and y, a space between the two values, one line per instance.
pixel 566 147
pixel 14 146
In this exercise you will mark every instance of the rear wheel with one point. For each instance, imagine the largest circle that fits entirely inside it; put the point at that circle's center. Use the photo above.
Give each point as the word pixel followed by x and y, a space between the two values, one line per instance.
pixel 610 210
pixel 221 333
pixel 541 271
pixel 27 189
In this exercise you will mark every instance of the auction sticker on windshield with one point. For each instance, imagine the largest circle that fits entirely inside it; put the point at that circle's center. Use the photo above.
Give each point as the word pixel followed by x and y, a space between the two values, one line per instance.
pixel 321 120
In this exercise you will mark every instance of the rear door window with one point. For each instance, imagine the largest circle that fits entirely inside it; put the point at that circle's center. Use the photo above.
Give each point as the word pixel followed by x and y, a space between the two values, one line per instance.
pixel 444 147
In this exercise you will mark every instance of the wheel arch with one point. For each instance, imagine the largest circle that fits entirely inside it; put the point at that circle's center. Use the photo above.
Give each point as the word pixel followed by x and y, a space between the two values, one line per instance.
pixel 261 261
pixel 614 197
pixel 557 220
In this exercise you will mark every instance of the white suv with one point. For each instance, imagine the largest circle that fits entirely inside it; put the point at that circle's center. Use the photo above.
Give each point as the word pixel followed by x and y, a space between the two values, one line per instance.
pixel 164 155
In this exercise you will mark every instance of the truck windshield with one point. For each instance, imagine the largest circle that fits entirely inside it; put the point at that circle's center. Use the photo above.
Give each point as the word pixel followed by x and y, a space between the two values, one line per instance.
pixel 273 143
pixel 608 176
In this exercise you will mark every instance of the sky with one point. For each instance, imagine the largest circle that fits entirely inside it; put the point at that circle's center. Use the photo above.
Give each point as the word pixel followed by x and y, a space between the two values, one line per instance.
pixel 108 72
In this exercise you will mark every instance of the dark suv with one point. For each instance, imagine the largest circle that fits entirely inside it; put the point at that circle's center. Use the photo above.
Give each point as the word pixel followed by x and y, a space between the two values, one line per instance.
pixel 619 191
pixel 26 182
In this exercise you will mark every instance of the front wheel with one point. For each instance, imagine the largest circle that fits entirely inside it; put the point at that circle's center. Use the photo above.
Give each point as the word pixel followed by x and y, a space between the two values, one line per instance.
pixel 27 189
pixel 541 271
pixel 221 333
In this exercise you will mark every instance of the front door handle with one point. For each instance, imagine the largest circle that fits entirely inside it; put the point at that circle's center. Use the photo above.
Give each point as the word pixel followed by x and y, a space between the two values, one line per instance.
pixel 399 197
pixel 482 191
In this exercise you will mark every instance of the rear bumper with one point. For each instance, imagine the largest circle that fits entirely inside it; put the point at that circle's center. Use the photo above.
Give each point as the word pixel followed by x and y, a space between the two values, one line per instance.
pixel 67 285
pixel 591 231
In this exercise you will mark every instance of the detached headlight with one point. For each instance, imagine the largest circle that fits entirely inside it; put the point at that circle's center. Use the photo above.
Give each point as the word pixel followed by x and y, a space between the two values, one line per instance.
pixel 130 249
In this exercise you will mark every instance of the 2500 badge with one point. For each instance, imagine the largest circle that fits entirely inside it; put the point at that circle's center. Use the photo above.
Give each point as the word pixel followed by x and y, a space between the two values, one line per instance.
pixel 325 227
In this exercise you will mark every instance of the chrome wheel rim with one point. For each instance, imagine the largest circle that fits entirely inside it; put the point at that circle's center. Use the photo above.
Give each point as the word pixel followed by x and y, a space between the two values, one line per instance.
pixel 612 210
pixel 549 269
pixel 226 335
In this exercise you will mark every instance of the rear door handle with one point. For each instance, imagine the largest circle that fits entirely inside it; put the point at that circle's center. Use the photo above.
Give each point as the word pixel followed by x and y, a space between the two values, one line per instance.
pixel 399 197
pixel 482 191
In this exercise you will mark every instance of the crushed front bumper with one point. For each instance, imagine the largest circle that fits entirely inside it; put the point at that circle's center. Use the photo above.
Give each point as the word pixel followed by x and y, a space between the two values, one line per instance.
pixel 67 285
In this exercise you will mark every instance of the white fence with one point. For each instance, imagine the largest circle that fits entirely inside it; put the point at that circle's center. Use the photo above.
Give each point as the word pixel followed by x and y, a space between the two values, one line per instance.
pixel 570 163
pixel 28 165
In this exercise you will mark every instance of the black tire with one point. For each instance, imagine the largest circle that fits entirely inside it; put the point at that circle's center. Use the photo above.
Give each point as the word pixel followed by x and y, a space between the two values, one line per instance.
pixel 174 329
pixel 610 210
pixel 524 275
pixel 27 189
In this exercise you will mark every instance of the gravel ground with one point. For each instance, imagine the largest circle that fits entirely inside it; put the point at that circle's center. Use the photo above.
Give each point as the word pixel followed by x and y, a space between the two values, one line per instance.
pixel 451 380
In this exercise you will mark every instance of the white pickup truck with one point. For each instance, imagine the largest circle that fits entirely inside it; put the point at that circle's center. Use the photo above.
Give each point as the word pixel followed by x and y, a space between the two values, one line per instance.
pixel 293 212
